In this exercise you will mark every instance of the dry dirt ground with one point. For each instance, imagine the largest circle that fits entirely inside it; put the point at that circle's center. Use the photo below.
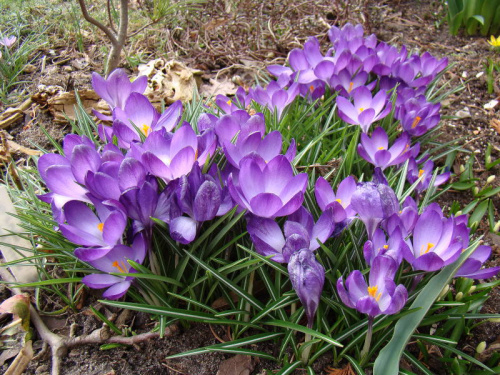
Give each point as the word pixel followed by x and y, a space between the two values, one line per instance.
pixel 240 41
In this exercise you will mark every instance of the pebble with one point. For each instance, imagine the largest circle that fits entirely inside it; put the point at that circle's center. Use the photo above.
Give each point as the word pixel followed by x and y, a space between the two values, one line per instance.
pixel 491 104
pixel 463 113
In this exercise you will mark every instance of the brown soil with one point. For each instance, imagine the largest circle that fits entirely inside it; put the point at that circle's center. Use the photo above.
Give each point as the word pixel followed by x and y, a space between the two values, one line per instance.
pixel 240 42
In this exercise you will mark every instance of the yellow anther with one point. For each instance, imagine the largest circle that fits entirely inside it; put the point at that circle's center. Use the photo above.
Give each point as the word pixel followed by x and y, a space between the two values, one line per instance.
pixel 311 88
pixel 100 226
pixel 415 122
pixel 386 247
pixel 361 109
pixel 381 148
pixel 229 102
pixel 429 247
pixel 121 267
pixel 146 129
pixel 351 85
pixel 372 291
pixel 420 173
pixel 338 200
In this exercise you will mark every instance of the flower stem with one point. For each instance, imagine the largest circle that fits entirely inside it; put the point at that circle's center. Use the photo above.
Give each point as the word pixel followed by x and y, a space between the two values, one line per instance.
pixel 306 351
pixel 368 340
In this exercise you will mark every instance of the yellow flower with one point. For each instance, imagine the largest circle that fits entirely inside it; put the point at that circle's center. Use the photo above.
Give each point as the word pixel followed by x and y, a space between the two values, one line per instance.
pixel 495 42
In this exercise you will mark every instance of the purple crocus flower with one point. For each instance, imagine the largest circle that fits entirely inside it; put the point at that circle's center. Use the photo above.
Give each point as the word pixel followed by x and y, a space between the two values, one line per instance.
pixel 426 173
pixel 405 219
pixel 116 261
pixel 308 277
pixel 346 83
pixel 339 202
pixel 200 199
pixel 380 296
pixel 116 89
pixel 472 266
pixel 374 202
pixel 274 97
pixel 388 57
pixel 97 232
pixel 267 147
pixel 380 245
pixel 300 232
pixel 267 189
pixel 417 115
pixel 376 150
pixel 139 117
pixel 436 241
pixel 171 155
pixel 8 41
pixel 238 123
pixel 366 109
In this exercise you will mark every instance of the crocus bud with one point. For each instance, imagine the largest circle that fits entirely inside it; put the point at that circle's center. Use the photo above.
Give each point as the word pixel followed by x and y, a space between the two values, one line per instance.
pixel 475 190
pixel 307 276
pixel 472 289
pixel 496 228
pixel 443 292
pixel 481 347
pixel 459 296
pixel 374 203
pixel 462 168
pixel 490 179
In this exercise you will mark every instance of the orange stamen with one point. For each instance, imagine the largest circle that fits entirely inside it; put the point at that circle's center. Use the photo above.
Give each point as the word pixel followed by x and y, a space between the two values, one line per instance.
pixel 415 122
pixel 351 85
pixel 146 129
pixel 100 226
pixel 121 267
pixel 429 247
pixel 372 291
pixel 338 200
pixel 381 148
pixel 229 102
pixel 420 173
pixel 386 247
pixel 361 109
pixel 311 88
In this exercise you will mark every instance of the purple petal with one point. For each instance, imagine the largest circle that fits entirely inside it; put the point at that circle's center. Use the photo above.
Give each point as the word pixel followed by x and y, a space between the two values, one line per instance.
pixel 183 229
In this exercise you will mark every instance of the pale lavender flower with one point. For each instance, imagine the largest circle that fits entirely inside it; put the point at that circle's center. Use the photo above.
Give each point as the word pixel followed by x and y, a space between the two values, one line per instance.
pixel 472 266
pixel 340 202
pixel 8 41
pixel 426 173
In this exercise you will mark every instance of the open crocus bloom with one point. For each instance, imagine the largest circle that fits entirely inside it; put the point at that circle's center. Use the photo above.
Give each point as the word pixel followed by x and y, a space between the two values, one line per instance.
pixel 98 233
pixel 380 296
pixel 116 261
pixel 376 150
pixel 472 266
pixel 340 202
pixel 436 241
pixel 366 108
pixel 267 189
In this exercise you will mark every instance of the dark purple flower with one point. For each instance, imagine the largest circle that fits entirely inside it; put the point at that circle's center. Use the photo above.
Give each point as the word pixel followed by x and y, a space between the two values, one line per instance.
pixel 374 203
pixel 267 189
pixel 365 110
pixel 116 261
pixel 472 266
pixel 417 115
pixel 380 296
pixel 308 277
pixel 376 150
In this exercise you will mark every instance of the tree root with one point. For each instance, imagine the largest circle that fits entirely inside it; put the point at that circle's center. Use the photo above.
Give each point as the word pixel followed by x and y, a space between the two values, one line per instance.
pixel 60 344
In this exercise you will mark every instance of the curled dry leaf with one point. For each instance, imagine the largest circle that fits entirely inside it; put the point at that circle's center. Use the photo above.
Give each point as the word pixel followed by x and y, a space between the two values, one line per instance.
pixel 495 124
pixel 169 81
pixel 19 307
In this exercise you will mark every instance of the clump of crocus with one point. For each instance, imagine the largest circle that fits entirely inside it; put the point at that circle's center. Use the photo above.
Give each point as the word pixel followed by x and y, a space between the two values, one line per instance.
pixel 376 150
pixel 267 189
pixel 366 108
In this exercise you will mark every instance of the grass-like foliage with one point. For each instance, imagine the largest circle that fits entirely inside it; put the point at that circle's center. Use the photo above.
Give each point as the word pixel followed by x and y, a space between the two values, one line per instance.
pixel 268 212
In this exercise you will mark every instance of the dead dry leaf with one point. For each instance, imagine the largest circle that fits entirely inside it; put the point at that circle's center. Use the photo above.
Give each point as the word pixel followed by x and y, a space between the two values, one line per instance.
pixel 62 105
pixel 495 124
pixel 22 360
pixel 237 365
pixel 347 370
pixel 218 87
pixel 169 81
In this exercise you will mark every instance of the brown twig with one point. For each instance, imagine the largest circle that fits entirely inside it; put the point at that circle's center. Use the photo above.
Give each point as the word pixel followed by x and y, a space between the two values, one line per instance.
pixel 59 344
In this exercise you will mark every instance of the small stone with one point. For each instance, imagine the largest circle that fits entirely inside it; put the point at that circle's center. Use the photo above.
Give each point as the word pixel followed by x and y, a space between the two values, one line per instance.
pixel 463 113
pixel 465 74
pixel 42 370
pixel 67 68
pixel 491 104
pixel 29 68
pixel 480 74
